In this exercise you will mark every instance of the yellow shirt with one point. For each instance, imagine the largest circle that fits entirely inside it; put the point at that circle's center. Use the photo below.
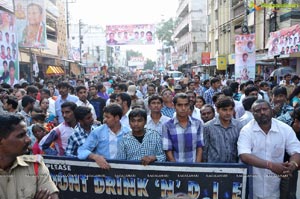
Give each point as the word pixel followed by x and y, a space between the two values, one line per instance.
pixel 21 182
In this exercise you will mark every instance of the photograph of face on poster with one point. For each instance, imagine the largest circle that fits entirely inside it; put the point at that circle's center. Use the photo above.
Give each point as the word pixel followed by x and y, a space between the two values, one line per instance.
pixel 9 63
pixel 31 20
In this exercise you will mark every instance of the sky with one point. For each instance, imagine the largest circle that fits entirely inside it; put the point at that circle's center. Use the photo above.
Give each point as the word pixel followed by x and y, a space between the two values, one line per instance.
pixel 118 12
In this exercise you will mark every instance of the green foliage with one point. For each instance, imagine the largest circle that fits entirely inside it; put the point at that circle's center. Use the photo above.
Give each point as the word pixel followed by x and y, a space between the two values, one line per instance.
pixel 149 64
pixel 132 53
pixel 164 32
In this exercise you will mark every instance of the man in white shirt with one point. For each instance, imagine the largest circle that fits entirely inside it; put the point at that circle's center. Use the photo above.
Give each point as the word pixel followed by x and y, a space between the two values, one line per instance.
pixel 124 100
pixel 155 119
pixel 82 95
pixel 262 144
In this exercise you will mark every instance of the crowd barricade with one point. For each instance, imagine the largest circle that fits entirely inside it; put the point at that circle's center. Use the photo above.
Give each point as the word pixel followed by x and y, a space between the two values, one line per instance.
pixel 130 179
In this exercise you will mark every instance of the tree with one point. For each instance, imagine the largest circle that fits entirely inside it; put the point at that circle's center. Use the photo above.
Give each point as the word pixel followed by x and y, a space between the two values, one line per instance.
pixel 149 64
pixel 164 32
pixel 132 53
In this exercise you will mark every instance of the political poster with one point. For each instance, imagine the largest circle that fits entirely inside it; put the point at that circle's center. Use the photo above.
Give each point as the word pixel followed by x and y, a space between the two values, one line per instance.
pixel 134 34
pixel 9 61
pixel 132 180
pixel 245 57
pixel 285 41
pixel 31 23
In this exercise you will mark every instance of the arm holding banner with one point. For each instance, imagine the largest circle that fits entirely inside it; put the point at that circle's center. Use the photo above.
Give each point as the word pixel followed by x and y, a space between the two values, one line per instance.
pixel 89 145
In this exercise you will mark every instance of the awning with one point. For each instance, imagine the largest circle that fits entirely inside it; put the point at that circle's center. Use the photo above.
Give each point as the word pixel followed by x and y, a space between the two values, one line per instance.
pixel 54 70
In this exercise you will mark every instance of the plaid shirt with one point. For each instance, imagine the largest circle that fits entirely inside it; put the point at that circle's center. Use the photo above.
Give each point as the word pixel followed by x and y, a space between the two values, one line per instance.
pixel 167 111
pixel 131 149
pixel 76 140
pixel 183 141
pixel 208 95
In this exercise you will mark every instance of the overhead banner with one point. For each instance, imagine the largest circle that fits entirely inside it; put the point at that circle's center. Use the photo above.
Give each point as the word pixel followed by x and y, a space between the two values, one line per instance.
pixel 31 23
pixel 205 58
pixel 134 34
pixel 244 57
pixel 285 41
pixel 136 61
pixel 9 59
pixel 128 180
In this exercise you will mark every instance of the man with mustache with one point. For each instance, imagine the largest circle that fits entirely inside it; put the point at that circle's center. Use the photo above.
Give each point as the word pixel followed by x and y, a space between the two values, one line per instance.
pixel 262 144
pixel 22 176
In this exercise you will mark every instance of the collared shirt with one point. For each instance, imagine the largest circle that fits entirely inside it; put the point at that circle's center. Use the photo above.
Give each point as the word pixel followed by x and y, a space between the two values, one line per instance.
pixel 20 180
pixel 156 126
pixel 247 117
pixel 239 109
pixel 27 117
pixel 208 95
pixel 284 114
pixel 76 140
pixel 167 111
pixel 271 147
pixel 59 135
pixel 89 105
pixel 220 142
pixel 59 101
pixel 183 141
pixel 125 119
pixel 100 142
pixel 131 149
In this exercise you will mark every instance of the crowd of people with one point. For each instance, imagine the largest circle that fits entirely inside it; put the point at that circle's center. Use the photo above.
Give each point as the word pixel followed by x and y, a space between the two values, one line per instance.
pixel 191 121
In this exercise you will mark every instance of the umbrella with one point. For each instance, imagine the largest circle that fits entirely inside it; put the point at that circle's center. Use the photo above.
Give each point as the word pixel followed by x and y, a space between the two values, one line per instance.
pixel 282 71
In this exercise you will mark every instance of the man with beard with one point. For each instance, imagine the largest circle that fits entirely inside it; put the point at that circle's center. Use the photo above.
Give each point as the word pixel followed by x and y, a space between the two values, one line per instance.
pixel 220 135
pixel 22 176
pixel 97 102
pixel 262 144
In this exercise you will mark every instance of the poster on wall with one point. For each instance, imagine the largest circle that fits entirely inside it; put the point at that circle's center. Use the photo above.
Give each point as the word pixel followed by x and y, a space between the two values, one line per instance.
pixel 285 41
pixel 31 22
pixel 245 57
pixel 9 63
pixel 132 34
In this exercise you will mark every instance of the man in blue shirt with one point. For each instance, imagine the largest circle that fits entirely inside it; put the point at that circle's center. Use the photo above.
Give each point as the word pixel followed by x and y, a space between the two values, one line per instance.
pixel 102 143
pixel 64 96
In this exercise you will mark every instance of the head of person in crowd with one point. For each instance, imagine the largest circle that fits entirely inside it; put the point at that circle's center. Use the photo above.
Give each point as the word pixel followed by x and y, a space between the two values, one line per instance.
pixel 296 121
pixel 112 98
pixel 124 100
pixel 182 104
pixel 227 91
pixel 295 94
pixel 287 77
pixel 155 103
pixel 84 116
pixel 295 79
pixel 123 88
pixel 242 87
pixel 216 96
pixel 45 93
pixel 132 91
pixel 206 83
pixel 28 103
pixel 32 91
pixel 257 82
pixel 101 88
pixel 13 137
pixel 79 82
pixel 192 97
pixel 197 79
pixel 151 89
pixel 38 131
pixel 38 118
pixel 112 114
pixel 93 91
pixel 215 83
pixel 251 91
pixel 67 110
pixel 20 94
pixel 10 104
pixel 207 112
pixel 44 104
pixel 279 95
pixel 234 87
pixel 262 112
pixel 178 89
pixel 248 102
pixel 191 85
pixel 137 121
pixel 63 89
pixel 167 95
pixel 52 90
pixel 82 94
pixel 264 86
pixel 225 108
pixel 200 101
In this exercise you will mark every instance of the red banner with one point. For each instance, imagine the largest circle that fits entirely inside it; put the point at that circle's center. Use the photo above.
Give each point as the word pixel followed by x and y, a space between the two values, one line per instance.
pixel 205 58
